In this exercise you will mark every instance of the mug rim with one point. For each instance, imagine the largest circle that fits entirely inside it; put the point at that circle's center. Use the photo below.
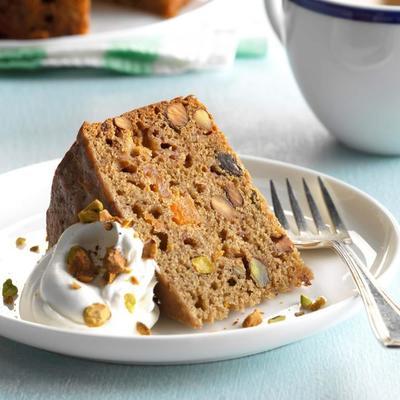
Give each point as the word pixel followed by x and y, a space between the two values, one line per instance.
pixel 386 14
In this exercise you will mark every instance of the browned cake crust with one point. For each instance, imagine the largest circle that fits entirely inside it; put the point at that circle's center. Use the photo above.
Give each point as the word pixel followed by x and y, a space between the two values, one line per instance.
pixel 165 8
pixel 37 19
pixel 170 168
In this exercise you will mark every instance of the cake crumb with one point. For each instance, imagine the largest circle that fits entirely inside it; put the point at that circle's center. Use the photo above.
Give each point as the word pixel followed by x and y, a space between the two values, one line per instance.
pixel 253 319
pixel 35 249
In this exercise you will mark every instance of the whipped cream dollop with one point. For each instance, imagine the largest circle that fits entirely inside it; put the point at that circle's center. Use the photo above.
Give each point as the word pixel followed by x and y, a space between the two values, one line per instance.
pixel 50 295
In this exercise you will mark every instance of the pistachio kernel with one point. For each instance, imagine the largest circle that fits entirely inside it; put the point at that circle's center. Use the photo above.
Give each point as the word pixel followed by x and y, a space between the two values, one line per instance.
pixel 9 291
pixel 305 302
pixel 91 213
pixel 258 272
pixel 96 315
pixel 203 265
pixel 130 302
pixel 278 318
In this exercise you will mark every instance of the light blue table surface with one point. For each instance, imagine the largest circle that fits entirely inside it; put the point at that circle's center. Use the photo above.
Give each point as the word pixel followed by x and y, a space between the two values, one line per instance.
pixel 261 110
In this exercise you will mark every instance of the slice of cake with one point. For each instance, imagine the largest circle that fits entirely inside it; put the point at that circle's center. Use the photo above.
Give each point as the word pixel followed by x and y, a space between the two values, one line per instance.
pixel 170 168
pixel 39 19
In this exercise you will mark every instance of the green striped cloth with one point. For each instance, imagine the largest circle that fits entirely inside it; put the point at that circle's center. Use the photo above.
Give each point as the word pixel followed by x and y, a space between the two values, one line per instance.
pixel 207 40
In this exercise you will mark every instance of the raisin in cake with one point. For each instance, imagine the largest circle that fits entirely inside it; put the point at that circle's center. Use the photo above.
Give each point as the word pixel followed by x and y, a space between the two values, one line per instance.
pixel 170 168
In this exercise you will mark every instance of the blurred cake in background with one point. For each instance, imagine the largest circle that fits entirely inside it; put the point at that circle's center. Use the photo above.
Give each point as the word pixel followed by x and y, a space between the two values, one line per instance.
pixel 39 19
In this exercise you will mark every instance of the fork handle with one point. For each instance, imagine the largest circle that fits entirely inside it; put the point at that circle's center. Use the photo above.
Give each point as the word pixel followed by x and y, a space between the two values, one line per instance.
pixel 383 313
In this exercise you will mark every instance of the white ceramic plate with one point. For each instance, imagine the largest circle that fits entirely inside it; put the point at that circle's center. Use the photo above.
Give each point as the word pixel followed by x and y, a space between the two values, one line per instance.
pixel 112 20
pixel 22 213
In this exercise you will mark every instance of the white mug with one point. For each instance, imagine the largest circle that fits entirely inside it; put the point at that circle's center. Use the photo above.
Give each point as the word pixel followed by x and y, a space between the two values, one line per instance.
pixel 346 60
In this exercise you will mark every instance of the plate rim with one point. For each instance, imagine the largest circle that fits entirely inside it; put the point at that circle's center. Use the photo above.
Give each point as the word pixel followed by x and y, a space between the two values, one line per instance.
pixel 353 302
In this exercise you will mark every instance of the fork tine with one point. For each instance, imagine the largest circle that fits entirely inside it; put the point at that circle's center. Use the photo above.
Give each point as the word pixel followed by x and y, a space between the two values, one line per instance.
pixel 297 213
pixel 278 210
pixel 330 205
pixel 319 223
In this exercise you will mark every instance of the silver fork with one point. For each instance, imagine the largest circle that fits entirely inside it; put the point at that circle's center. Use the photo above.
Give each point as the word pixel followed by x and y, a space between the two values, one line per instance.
pixel 383 312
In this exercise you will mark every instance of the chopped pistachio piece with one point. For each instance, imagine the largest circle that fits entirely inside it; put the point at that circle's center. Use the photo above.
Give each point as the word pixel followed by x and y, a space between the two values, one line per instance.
pixel 278 318
pixel 309 305
pixel 130 302
pixel 258 272
pixel 9 291
pixel 305 302
pixel 299 313
pixel 96 315
pixel 20 242
pixel 203 265
pixel 91 213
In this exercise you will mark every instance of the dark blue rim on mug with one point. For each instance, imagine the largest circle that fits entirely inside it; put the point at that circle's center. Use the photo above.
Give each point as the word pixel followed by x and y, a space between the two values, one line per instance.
pixel 355 13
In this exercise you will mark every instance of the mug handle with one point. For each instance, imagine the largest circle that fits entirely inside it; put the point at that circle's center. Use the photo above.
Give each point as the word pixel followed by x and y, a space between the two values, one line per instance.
pixel 275 14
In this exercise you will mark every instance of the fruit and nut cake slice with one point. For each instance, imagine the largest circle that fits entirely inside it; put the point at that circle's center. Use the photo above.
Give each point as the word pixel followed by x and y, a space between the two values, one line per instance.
pixel 168 166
